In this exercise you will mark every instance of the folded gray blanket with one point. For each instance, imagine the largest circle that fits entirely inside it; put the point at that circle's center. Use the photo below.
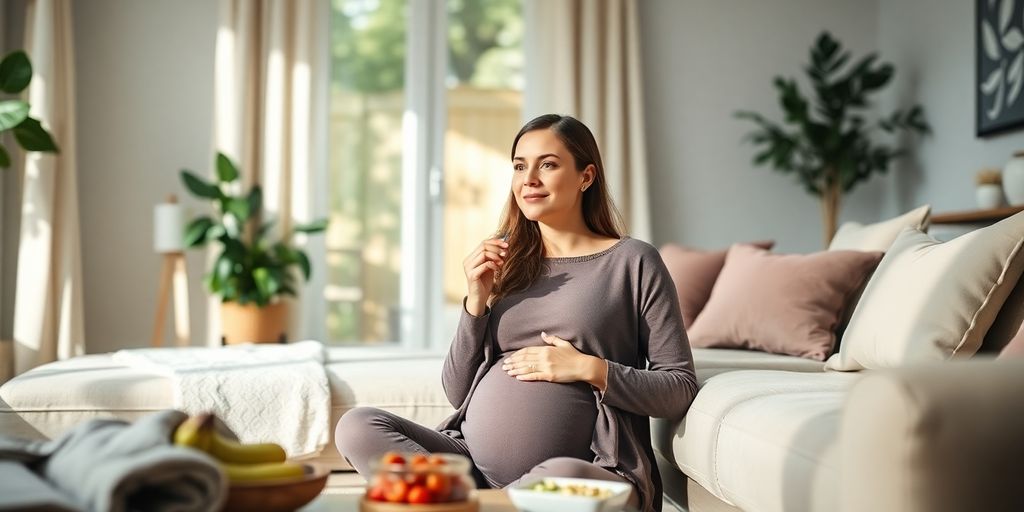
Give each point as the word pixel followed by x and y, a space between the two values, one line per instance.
pixel 111 465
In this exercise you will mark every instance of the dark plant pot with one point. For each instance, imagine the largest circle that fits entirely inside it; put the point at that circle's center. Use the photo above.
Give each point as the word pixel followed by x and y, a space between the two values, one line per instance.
pixel 253 324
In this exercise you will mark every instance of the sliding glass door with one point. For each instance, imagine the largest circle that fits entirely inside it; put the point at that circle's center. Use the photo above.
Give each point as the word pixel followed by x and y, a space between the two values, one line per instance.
pixel 425 99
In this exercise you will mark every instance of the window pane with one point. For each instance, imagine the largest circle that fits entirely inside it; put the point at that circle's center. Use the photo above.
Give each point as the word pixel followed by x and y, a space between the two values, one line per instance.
pixel 365 153
pixel 484 112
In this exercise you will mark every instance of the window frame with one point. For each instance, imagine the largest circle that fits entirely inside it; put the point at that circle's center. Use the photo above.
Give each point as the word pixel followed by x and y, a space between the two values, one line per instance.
pixel 423 131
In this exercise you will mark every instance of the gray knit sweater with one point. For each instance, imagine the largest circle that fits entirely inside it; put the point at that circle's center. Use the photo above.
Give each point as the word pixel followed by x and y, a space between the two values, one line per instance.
pixel 619 304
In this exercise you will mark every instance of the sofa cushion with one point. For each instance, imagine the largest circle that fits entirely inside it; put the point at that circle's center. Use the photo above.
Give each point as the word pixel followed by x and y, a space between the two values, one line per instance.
pixel 713 361
pixel 854 236
pixel 931 301
pixel 51 399
pixel 694 272
pixel 764 440
pixel 950 439
pixel 781 303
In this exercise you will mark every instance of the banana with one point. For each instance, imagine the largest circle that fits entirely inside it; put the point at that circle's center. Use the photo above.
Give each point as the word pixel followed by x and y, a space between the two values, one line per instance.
pixel 195 432
pixel 237 453
pixel 258 472
pixel 199 432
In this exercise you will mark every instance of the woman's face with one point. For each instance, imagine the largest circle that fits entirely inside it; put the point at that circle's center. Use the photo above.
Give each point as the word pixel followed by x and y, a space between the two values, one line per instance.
pixel 545 181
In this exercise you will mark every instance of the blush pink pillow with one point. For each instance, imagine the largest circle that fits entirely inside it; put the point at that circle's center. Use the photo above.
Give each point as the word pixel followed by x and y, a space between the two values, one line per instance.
pixel 694 272
pixel 1015 348
pixel 781 303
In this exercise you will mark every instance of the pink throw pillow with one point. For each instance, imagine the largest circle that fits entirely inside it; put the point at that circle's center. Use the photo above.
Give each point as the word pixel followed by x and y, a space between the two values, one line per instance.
pixel 781 303
pixel 694 272
pixel 1015 348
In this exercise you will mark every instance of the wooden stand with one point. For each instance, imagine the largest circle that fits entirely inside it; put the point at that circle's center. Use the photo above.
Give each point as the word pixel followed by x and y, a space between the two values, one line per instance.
pixel 173 276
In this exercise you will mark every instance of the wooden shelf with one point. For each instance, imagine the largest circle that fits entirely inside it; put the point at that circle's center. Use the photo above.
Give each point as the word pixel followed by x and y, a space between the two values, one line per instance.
pixel 976 216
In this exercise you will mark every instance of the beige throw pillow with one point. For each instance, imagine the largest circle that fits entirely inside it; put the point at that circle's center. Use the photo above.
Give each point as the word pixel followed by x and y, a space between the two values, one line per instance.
pixel 780 303
pixel 853 236
pixel 932 301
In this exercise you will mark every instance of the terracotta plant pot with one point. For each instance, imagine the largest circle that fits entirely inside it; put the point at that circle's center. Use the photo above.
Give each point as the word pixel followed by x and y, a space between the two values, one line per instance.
pixel 253 324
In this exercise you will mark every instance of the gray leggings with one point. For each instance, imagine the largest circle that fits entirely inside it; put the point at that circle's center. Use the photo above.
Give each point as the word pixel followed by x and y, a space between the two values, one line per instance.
pixel 365 433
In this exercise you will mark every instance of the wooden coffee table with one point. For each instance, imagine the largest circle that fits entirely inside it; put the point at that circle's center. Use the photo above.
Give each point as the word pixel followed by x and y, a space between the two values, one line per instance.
pixel 491 500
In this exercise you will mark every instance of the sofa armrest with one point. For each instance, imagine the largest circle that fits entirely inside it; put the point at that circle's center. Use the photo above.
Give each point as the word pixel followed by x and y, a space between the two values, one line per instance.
pixel 935 438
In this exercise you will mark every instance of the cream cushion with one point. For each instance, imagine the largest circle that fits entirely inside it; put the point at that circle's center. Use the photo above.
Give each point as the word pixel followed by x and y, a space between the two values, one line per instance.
pixel 854 236
pixel 935 438
pixel 712 361
pixel 931 301
pixel 764 440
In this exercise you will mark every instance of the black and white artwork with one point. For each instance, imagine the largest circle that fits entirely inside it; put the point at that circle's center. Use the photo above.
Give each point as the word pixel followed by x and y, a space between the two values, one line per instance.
pixel 1000 65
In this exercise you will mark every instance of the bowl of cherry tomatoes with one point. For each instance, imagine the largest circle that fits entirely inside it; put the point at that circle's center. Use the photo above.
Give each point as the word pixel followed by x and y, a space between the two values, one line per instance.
pixel 439 482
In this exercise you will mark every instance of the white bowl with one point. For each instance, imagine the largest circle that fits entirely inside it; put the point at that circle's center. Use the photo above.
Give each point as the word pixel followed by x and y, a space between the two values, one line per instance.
pixel 528 500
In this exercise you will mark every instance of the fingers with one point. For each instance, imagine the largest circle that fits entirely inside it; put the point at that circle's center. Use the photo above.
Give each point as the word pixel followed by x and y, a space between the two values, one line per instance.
pixel 523 368
pixel 479 271
pixel 494 246
pixel 553 340
pixel 488 256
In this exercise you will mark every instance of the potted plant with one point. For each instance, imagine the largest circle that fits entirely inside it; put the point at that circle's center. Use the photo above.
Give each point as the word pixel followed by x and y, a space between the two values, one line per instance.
pixel 252 272
pixel 15 75
pixel 828 142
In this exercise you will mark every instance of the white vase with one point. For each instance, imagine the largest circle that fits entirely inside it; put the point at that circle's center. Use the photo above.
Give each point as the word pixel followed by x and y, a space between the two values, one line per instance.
pixel 989 196
pixel 1013 179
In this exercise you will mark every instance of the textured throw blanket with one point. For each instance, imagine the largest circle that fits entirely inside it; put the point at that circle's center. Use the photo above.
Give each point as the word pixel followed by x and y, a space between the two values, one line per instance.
pixel 262 392
pixel 110 465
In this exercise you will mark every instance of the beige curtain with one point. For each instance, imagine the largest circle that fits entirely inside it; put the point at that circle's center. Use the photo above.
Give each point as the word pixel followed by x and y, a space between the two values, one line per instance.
pixel 583 59
pixel 270 117
pixel 48 307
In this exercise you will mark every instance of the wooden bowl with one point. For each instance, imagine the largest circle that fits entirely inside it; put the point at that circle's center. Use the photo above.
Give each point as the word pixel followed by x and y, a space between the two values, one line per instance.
pixel 277 495
pixel 471 505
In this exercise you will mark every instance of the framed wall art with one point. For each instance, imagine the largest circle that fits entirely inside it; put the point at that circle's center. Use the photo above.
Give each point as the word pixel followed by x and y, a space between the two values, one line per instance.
pixel 999 57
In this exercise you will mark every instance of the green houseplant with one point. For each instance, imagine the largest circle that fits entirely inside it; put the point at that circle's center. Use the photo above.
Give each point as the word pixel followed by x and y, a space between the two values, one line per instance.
pixel 15 75
pixel 828 142
pixel 252 271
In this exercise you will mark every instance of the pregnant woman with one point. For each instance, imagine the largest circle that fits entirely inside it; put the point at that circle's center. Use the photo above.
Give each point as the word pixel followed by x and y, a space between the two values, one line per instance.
pixel 570 337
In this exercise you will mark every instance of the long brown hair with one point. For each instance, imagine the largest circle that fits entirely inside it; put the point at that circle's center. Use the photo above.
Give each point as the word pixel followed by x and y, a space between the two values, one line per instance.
pixel 525 260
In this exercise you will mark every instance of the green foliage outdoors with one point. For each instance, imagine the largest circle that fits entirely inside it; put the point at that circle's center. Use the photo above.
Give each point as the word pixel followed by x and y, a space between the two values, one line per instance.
pixel 251 268
pixel 368 40
pixel 15 75
pixel 828 141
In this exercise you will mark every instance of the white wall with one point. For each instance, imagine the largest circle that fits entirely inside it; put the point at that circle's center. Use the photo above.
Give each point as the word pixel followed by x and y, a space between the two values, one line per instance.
pixel 144 82
pixel 705 59
pixel 931 42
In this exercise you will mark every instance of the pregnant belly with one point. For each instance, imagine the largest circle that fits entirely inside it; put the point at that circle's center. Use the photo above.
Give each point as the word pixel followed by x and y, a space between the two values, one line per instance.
pixel 511 425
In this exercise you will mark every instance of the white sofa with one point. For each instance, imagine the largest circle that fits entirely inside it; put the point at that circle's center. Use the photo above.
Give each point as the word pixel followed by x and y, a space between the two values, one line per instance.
pixel 766 432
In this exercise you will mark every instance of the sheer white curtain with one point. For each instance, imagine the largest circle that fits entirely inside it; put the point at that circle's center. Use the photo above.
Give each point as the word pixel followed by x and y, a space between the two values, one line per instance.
pixel 270 117
pixel 583 59
pixel 48 306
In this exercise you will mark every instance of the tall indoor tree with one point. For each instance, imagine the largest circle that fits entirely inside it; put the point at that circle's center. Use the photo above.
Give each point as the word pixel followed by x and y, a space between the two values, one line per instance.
pixel 828 141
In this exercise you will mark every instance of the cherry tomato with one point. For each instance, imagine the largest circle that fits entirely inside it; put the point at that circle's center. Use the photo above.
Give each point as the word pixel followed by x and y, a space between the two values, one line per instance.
pixel 376 493
pixel 418 494
pixel 397 491
pixel 392 458
pixel 439 485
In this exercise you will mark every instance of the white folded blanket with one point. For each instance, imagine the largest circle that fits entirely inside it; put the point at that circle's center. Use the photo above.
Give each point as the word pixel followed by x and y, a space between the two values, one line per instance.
pixel 264 393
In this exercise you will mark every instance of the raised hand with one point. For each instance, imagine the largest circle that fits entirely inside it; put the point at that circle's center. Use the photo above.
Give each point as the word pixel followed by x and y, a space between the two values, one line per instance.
pixel 480 267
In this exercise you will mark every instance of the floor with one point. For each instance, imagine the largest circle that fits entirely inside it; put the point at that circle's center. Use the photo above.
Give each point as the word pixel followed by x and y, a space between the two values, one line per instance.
pixel 352 483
